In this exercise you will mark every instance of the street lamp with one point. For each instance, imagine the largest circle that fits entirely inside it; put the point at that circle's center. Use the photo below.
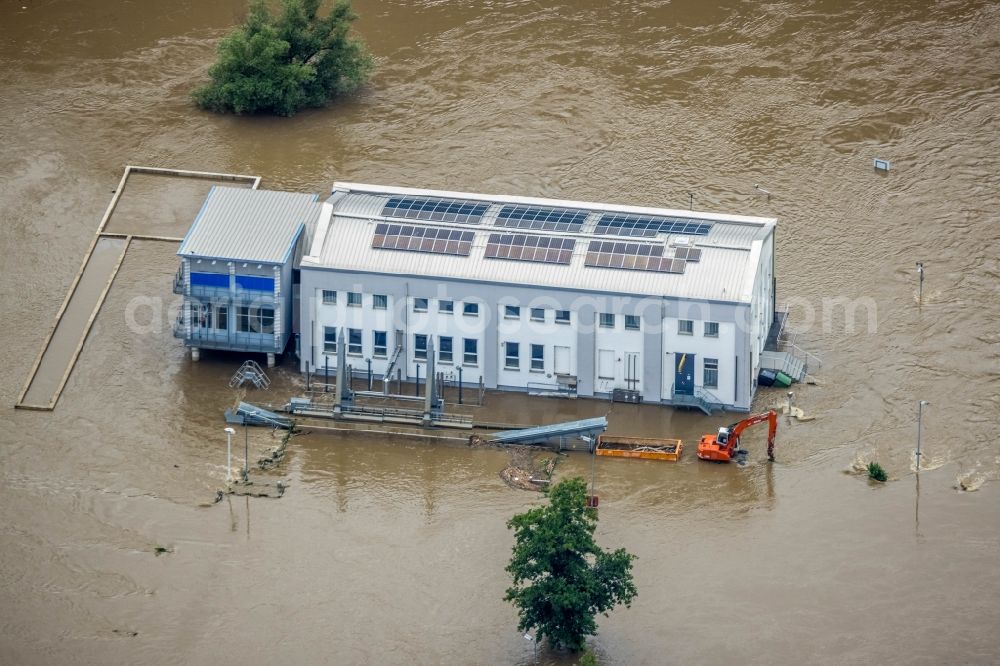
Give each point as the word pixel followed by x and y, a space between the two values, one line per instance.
pixel 246 445
pixel 229 454
pixel 534 646
pixel 920 289
pixel 920 417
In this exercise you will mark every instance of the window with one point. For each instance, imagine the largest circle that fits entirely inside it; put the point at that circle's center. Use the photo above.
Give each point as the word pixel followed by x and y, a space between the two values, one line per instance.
pixel 470 309
pixel 420 346
pixel 511 311
pixel 353 299
pixel 203 316
pixel 537 314
pixel 420 305
pixel 446 307
pixel 711 329
pixel 538 357
pixel 222 317
pixel 329 340
pixel 607 320
pixel 631 322
pixel 471 356
pixel 685 327
pixel 329 297
pixel 255 320
pixel 380 301
pixel 379 346
pixel 354 341
pixel 711 379
pixel 512 355
pixel 562 316
pixel 444 349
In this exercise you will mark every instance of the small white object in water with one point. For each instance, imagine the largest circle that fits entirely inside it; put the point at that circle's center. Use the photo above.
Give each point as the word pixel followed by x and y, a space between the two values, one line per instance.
pixel 882 165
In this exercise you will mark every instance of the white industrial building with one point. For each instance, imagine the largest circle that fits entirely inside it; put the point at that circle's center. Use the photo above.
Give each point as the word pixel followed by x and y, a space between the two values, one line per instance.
pixel 666 306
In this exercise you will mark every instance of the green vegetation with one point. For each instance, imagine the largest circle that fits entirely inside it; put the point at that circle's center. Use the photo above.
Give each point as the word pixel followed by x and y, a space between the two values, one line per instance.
pixel 561 577
pixel 875 471
pixel 282 64
pixel 587 658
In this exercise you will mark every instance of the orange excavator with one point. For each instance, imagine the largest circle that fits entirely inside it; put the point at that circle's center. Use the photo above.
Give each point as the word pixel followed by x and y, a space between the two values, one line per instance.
pixel 724 446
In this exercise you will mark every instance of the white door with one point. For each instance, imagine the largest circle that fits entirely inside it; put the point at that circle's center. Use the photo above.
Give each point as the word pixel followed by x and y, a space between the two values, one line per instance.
pixel 605 364
pixel 562 360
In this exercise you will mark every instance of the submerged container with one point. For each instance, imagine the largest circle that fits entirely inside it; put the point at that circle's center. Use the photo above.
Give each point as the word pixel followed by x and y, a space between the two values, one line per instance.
pixel 644 448
pixel 766 377
pixel 782 380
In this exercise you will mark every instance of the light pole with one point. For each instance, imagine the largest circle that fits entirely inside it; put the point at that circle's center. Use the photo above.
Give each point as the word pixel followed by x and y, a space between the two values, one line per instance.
pixel 920 289
pixel 534 646
pixel 246 446
pixel 920 418
pixel 229 454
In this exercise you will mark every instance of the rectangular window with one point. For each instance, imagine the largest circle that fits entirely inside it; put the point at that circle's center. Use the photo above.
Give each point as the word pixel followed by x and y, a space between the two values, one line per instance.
pixel 562 316
pixel 380 301
pixel 444 349
pixel 711 379
pixel 420 305
pixel 537 314
pixel 243 319
pixel 354 341
pixel 685 327
pixel 511 311
pixel 353 299
pixel 471 356
pixel 711 329
pixel 203 316
pixel 512 355
pixel 379 347
pixel 329 297
pixel 470 309
pixel 538 357
pixel 255 320
pixel 329 340
pixel 420 346
pixel 631 322
pixel 222 317
pixel 446 307
pixel 607 320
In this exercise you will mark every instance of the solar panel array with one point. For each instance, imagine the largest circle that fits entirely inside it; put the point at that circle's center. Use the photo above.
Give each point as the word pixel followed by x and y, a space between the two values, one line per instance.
pixel 542 219
pixel 692 254
pixel 423 239
pixel 522 247
pixel 436 210
pixel 621 224
pixel 631 256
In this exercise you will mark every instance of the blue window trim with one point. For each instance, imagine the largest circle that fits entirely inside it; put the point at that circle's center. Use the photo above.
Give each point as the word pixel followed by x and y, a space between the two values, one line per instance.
pixel 255 283
pixel 210 280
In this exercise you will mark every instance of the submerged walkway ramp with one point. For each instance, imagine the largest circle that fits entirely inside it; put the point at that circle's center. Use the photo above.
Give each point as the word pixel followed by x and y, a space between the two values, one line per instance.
pixel 572 435
pixel 160 206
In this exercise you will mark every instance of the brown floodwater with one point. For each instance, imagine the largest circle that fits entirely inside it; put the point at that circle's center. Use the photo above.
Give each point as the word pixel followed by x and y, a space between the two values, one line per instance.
pixel 389 550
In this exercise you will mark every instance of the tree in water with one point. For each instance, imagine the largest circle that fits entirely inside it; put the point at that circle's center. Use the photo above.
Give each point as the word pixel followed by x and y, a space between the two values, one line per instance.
pixel 561 577
pixel 281 64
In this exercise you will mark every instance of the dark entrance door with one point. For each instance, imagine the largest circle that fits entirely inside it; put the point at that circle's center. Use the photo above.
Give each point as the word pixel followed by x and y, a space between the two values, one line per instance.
pixel 684 374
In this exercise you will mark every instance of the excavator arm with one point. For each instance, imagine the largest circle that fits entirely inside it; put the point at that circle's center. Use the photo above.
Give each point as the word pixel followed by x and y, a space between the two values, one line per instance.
pixel 723 446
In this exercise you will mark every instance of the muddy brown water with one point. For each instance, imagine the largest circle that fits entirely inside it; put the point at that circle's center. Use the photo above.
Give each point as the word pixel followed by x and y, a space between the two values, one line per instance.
pixel 391 551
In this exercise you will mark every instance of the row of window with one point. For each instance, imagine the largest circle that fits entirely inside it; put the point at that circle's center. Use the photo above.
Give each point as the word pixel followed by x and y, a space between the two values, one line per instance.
pixel 248 319
pixel 607 320
pixel 537 314
pixel 686 327
pixel 354 299
pixel 446 349
pixel 379 347
pixel 512 356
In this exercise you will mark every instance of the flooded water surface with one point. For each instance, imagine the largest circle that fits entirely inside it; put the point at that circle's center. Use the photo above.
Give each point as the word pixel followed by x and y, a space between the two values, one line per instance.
pixel 390 550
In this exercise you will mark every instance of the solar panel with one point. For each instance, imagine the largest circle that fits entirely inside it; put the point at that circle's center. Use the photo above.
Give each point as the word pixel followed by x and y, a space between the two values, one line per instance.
pixel 692 254
pixel 423 239
pixel 631 256
pixel 526 247
pixel 620 224
pixel 436 210
pixel 543 219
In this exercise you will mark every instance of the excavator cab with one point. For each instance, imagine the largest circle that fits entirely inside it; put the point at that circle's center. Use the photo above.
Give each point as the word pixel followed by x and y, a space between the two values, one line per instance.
pixel 723 446
pixel 723 437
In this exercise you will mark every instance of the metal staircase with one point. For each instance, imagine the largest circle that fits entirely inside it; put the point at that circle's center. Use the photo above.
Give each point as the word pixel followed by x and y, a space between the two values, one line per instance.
pixel 702 398
pixel 390 368
pixel 251 372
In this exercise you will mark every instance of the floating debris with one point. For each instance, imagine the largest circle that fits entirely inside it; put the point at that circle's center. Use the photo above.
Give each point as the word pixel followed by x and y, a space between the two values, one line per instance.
pixel 161 550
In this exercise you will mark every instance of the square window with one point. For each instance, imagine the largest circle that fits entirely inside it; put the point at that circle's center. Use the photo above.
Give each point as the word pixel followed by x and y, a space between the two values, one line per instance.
pixel 537 314
pixel 380 301
pixel 711 378
pixel 446 307
pixel 685 327
pixel 471 356
pixel 711 329
pixel 562 316
pixel 329 297
pixel 444 349
pixel 538 357
pixel 329 339
pixel 420 346
pixel 511 311
pixel 607 320
pixel 470 309
pixel 354 299
pixel 631 322
pixel 512 355
pixel 379 347
pixel 420 305
pixel 354 341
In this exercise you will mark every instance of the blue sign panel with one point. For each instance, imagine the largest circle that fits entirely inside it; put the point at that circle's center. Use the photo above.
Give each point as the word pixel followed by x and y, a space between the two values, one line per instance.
pixel 210 280
pixel 255 283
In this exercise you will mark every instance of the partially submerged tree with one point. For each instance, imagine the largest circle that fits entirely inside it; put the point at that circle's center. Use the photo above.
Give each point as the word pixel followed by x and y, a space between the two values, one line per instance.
pixel 281 64
pixel 562 578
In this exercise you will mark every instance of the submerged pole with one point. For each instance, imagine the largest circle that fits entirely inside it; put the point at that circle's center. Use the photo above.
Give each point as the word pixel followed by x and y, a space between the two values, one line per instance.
pixel 920 418
pixel 920 288
pixel 460 385
pixel 229 454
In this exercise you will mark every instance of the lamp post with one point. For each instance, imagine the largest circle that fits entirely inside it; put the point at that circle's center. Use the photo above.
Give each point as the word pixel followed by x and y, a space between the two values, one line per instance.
pixel 246 446
pixel 534 646
pixel 229 454
pixel 920 289
pixel 920 418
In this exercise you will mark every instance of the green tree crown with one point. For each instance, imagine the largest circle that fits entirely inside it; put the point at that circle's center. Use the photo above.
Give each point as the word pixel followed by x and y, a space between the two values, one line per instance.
pixel 561 578
pixel 286 62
